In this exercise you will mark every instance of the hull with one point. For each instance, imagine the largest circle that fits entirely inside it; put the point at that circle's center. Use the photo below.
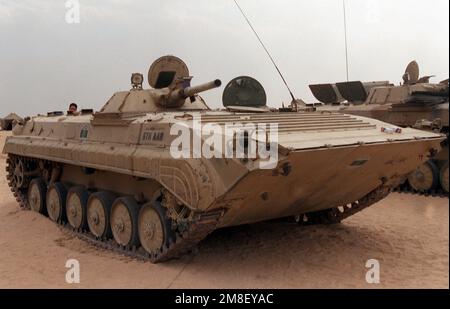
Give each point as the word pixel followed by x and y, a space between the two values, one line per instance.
pixel 325 161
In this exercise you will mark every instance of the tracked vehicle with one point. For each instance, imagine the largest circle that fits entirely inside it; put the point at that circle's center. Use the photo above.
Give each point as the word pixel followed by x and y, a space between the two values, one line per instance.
pixel 111 176
pixel 415 103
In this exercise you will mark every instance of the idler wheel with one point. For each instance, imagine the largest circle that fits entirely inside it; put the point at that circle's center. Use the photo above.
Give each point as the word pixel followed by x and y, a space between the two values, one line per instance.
pixel 18 173
pixel 56 202
pixel 154 227
pixel 36 195
pixel 444 177
pixel 98 210
pixel 124 221
pixel 425 178
pixel 76 207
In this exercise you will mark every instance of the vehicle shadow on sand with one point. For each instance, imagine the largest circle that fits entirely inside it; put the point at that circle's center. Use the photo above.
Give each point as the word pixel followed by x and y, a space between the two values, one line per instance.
pixel 269 251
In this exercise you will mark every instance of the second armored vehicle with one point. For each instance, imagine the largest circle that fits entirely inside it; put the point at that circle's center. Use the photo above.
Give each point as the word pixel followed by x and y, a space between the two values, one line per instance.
pixel 415 103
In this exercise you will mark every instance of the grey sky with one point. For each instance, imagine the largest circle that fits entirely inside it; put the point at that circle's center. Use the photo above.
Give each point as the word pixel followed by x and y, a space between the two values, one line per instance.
pixel 46 63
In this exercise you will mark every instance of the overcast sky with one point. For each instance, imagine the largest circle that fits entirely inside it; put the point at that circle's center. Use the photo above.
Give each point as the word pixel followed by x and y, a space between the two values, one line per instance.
pixel 46 63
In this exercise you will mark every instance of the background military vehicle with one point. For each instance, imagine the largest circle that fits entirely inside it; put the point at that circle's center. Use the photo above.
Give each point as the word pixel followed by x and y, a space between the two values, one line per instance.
pixel 110 176
pixel 415 103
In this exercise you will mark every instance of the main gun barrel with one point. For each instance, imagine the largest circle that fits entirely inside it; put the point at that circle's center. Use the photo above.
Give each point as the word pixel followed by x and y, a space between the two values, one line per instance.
pixel 177 97
pixel 190 91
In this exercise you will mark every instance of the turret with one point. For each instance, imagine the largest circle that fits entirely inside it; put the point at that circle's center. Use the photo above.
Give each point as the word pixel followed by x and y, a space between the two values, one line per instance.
pixel 170 90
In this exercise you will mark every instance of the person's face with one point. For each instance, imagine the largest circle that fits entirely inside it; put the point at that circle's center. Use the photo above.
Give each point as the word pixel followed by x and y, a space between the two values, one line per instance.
pixel 72 108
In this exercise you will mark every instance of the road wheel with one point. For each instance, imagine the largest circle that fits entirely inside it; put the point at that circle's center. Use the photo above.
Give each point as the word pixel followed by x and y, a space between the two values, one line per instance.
pixel 425 178
pixel 56 202
pixel 36 195
pixel 124 221
pixel 154 228
pixel 76 207
pixel 98 210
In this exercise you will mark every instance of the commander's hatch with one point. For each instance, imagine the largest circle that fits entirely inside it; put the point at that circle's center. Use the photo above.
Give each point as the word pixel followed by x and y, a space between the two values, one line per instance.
pixel 166 71
pixel 245 94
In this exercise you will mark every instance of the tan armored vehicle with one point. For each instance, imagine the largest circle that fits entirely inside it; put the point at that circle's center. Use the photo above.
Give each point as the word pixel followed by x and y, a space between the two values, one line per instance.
pixel 415 103
pixel 115 177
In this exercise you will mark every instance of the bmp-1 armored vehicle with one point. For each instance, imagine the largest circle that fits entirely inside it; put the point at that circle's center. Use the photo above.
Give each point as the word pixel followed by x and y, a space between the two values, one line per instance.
pixel 116 177
pixel 415 103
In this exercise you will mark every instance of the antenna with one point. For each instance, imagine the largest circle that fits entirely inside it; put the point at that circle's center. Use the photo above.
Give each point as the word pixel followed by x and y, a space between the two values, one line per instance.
pixel 346 43
pixel 265 49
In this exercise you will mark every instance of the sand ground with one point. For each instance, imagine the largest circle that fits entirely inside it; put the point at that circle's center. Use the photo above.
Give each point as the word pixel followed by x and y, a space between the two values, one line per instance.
pixel 408 235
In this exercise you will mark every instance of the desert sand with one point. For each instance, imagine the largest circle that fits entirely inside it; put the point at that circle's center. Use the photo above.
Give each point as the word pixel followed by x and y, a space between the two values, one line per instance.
pixel 408 235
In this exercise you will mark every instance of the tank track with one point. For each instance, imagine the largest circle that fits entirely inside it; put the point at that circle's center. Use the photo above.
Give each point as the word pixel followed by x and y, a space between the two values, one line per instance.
pixel 183 243
pixel 199 227
pixel 337 215
pixel 407 189
pixel 20 195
